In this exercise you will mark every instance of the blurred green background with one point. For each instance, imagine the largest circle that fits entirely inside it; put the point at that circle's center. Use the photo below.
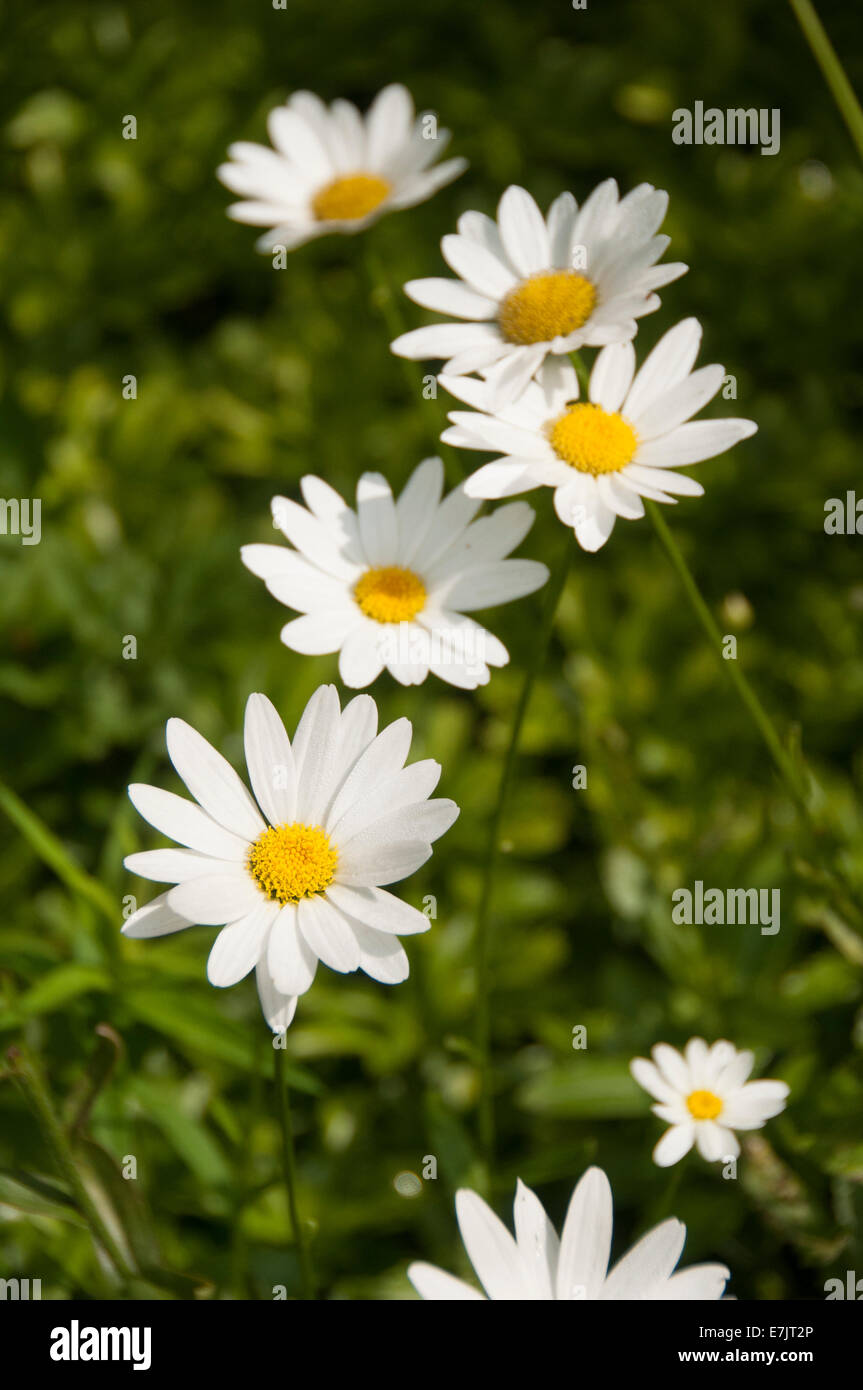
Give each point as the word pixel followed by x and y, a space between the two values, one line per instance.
pixel 116 258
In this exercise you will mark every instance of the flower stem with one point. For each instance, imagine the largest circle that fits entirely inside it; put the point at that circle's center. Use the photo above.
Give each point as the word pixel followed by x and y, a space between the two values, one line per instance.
pixel 796 778
pixel 289 1166
pixel 834 74
pixel 759 716
pixel 483 921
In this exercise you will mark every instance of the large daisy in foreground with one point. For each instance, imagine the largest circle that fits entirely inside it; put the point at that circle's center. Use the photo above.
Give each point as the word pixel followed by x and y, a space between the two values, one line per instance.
pixel 536 1266
pixel 296 874
pixel 704 1096
pixel 334 170
pixel 389 585
pixel 531 285
pixel 602 455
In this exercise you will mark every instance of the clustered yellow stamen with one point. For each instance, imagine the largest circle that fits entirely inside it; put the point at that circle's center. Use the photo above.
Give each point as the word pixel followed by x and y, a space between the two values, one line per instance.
pixel 546 306
pixel 593 440
pixel 390 594
pixel 350 198
pixel 703 1105
pixel 289 862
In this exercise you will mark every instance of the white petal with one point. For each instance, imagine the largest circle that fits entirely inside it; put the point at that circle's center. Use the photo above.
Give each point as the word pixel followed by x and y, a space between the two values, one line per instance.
pixel 674 1144
pixel 612 376
pixel 328 934
pixel 436 1285
pixel 417 505
pixel 278 1009
pixel 270 761
pixel 215 899
pixel 451 297
pixel 381 956
pixel 359 659
pixel 537 1242
pixel 490 1247
pixel 485 272
pixel 670 362
pixel 155 918
pixel 377 908
pixel 238 947
pixel 378 866
pixel 290 961
pixel 316 748
pixel 694 441
pixel 377 517
pixel 523 231
pixel 174 865
pixel 383 758
pixel 212 781
pixel 185 822
pixel 586 1241
pixel 649 1263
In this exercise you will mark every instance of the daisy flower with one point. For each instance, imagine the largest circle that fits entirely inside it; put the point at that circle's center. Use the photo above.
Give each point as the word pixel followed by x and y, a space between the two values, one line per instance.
pixel 388 585
pixel 602 455
pixel 296 873
pixel 535 1265
pixel 334 170
pixel 704 1096
pixel 529 286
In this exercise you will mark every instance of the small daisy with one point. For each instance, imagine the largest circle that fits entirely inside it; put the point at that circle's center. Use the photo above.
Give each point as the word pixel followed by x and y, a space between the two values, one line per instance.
pixel 536 1266
pixel 334 170
pixel 296 874
pixel 529 286
pixel 704 1095
pixel 388 585
pixel 603 455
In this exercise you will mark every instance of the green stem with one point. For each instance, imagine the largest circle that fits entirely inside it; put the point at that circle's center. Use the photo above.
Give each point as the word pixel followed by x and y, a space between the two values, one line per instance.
pixel 289 1166
pixel 483 934
pixel 834 74
pixel 797 780
pixel 25 1074
pixel 760 718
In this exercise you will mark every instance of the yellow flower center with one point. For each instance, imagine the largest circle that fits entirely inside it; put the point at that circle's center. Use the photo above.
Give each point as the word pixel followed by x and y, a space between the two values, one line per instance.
pixel 289 862
pixel 390 594
pixel 546 306
pixel 593 440
pixel 703 1105
pixel 349 198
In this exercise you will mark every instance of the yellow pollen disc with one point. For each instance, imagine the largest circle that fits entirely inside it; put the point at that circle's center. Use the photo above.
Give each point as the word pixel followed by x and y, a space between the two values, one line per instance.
pixel 546 306
pixel 289 862
pixel 349 198
pixel 703 1105
pixel 390 594
pixel 593 440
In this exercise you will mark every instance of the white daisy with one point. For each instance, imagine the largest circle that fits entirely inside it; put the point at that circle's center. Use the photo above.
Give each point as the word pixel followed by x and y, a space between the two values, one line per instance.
pixel 388 585
pixel 704 1095
pixel 537 1266
pixel 334 170
pixel 603 455
pixel 297 877
pixel 529 286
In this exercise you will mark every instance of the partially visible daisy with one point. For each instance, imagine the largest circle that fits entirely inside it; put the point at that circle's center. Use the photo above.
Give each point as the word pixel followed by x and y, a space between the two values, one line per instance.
pixel 602 455
pixel 388 585
pixel 296 874
pixel 531 285
pixel 704 1096
pixel 536 1266
pixel 334 170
